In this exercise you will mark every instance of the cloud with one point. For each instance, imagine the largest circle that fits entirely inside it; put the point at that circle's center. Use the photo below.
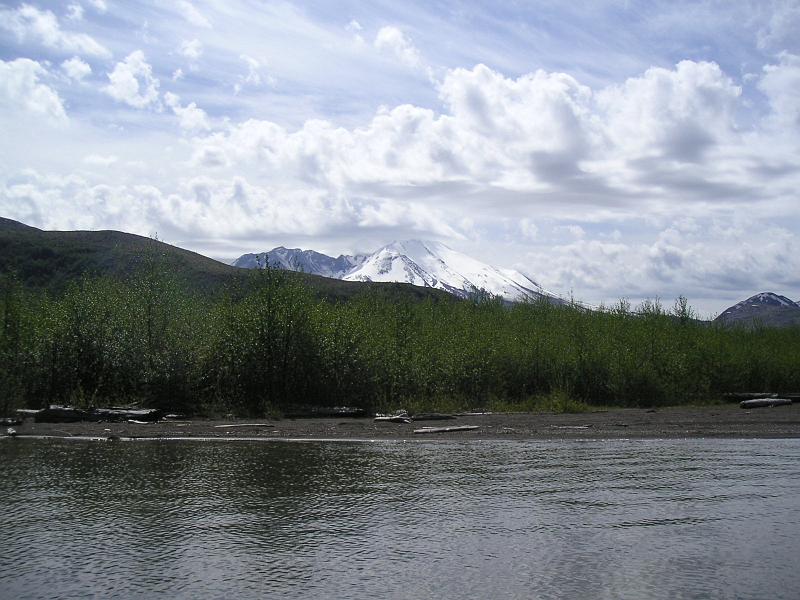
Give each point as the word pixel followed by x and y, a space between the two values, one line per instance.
pixel 132 82
pixel 29 23
pixel 253 65
pixel 528 229
pixel 253 76
pixel 20 90
pixel 191 117
pixel 203 206
pixel 191 49
pixel 670 263
pixel 76 69
pixel 392 40
pixel 192 15
pixel 75 12
pixel 782 27
pixel 781 84
pixel 355 28
pixel 671 113
pixel 98 160
pixel 663 140
pixel 99 5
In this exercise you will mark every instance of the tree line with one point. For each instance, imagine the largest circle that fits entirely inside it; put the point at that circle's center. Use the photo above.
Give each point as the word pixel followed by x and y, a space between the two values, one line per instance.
pixel 268 344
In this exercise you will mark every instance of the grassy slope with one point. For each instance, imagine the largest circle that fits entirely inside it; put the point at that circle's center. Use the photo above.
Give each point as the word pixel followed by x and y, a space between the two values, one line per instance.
pixel 50 260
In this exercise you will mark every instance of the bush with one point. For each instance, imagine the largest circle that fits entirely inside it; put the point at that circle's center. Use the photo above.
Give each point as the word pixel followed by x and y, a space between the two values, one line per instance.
pixel 269 344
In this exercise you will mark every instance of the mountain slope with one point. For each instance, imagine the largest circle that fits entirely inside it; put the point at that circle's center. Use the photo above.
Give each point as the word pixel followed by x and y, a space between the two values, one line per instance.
pixel 306 261
pixel 51 260
pixel 432 264
pixel 766 308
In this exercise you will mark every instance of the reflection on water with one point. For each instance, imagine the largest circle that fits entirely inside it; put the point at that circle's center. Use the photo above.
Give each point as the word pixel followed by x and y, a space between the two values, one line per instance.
pixel 605 519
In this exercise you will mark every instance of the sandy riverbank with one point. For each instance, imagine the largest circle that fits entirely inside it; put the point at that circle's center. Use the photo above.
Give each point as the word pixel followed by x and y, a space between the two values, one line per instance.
pixel 724 421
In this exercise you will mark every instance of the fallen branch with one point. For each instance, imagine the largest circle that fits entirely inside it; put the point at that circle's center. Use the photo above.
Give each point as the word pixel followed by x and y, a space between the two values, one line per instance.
pixel 394 419
pixel 446 429
pixel 764 402
pixel 243 425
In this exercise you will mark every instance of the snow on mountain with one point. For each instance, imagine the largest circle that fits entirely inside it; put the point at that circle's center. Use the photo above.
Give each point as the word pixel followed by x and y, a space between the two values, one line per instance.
pixel 427 264
pixel 307 261
pixel 432 264
pixel 766 308
pixel 764 299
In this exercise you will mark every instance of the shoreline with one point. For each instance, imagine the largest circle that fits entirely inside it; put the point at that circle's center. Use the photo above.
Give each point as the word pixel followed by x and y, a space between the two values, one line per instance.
pixel 719 421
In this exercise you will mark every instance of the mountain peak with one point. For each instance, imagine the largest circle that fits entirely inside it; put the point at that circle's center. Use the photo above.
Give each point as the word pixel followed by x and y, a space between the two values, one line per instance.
pixel 434 264
pixel 765 307
pixel 423 263
pixel 763 299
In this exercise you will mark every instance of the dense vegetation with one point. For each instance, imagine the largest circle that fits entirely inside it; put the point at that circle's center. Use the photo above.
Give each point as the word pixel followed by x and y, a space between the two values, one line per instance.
pixel 267 342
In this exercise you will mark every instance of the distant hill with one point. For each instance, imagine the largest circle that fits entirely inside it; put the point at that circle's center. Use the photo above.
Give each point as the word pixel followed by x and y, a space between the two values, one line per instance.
pixel 50 260
pixel 767 308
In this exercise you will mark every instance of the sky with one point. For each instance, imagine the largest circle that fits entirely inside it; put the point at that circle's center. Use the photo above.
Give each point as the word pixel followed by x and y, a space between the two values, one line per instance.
pixel 610 149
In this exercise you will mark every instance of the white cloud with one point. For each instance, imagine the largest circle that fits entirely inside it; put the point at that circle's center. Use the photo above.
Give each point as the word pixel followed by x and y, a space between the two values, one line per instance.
pixel 20 90
pixel 672 113
pixel 99 5
pixel 393 40
pixel 99 160
pixel 191 117
pixel 75 12
pixel 528 229
pixel 781 85
pixel 667 139
pixel 782 27
pixel 132 81
pixel 671 263
pixel 28 22
pixel 192 15
pixel 253 77
pixel 191 49
pixel 355 28
pixel 177 75
pixel 76 69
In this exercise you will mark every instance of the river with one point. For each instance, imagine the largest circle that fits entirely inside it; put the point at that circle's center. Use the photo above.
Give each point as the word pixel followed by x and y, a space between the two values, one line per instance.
pixel 494 519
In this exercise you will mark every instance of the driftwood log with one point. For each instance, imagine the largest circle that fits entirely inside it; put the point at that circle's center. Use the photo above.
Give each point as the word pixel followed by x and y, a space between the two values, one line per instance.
pixel 228 425
pixel 446 429
pixel 764 402
pixel 393 419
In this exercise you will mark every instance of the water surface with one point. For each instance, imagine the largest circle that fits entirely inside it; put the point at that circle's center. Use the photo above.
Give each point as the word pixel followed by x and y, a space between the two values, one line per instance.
pixel 599 519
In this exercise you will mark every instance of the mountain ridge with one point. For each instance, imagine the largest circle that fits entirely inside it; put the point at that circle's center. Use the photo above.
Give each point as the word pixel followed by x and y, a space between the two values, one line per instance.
pixel 765 308
pixel 418 262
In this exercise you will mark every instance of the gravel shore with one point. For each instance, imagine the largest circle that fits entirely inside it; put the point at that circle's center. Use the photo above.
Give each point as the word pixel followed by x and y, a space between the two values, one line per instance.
pixel 723 421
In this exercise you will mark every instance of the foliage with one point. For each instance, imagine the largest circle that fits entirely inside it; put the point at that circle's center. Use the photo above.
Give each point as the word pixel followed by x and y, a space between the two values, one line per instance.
pixel 269 343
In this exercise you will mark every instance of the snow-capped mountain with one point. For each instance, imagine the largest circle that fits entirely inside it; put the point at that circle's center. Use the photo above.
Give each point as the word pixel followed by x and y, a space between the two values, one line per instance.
pixel 427 264
pixel 764 299
pixel 432 264
pixel 767 308
pixel 307 261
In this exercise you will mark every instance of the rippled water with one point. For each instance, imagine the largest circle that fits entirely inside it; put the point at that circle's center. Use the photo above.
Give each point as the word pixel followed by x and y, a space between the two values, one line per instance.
pixel 606 519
